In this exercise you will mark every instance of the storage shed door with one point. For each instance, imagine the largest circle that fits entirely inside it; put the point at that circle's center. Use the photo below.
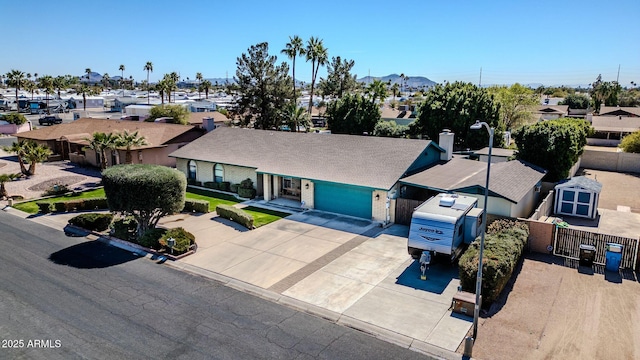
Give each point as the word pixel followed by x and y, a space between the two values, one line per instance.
pixel 343 199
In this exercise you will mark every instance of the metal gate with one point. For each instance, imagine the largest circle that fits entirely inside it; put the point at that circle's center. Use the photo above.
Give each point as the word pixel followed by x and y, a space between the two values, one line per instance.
pixel 567 244
pixel 404 210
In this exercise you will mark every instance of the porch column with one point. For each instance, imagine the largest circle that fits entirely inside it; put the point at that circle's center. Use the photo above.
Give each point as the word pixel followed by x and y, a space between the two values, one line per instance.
pixel 266 186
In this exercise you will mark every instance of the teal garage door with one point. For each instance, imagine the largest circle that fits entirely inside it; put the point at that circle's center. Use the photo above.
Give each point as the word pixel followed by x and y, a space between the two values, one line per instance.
pixel 343 199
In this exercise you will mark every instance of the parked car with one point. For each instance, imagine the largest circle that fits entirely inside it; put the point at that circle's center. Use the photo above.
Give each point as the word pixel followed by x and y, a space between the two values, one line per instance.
pixel 50 120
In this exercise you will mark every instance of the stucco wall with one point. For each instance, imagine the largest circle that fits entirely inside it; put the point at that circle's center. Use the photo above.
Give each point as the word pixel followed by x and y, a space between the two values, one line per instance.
pixel 204 172
pixel 306 195
pixel 540 235
pixel 526 205
pixel 379 206
pixel 611 161
pixel 497 206
pixel 14 129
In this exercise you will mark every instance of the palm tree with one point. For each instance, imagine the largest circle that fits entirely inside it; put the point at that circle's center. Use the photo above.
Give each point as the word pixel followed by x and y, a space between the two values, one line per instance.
pixel 121 68
pixel 296 116
pixel 59 83
pixel 99 143
pixel 36 154
pixel 377 90
pixel 148 67
pixel 88 72
pixel 395 87
pixel 129 140
pixel 206 86
pixel 20 148
pixel 6 178
pixel 106 80
pixel 294 48
pixel 161 87
pixel 199 78
pixel 85 90
pixel 30 86
pixel 47 84
pixel 317 53
pixel 16 79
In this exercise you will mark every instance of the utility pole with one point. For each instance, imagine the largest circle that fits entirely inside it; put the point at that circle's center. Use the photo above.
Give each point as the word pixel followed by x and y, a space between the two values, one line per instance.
pixel 480 82
pixel 618 77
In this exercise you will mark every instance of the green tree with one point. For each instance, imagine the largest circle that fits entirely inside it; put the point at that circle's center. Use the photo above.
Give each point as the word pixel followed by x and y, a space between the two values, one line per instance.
pixel 146 192
pixel 178 113
pixel 629 97
pixel 162 87
pixel 317 53
pixel 390 129
pixel 352 114
pixel 554 145
pixel 516 102
pixel 30 86
pixel 121 69
pixel 101 142
pixel 148 67
pixel 85 90
pixel 377 90
pixel 60 83
pixel 456 106
pixel 263 86
pixel 14 118
pixel 395 88
pixel 199 78
pixel 4 178
pixel 294 117
pixel 20 148
pixel 576 101
pixel 36 153
pixel 47 84
pixel 205 86
pixel 604 92
pixel 631 143
pixel 294 48
pixel 88 72
pixel 339 79
pixel 128 140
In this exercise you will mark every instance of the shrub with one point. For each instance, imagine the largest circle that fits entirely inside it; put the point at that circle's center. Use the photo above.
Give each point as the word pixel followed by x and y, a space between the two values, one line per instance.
pixel 199 206
pixel 14 118
pixel 502 250
pixel 56 189
pixel 151 238
pixel 235 214
pixel 59 206
pixel 124 228
pixel 225 186
pixel 246 184
pixel 194 182
pixel 44 207
pixel 183 238
pixel 95 204
pixel 92 221
pixel 631 143
pixel 247 193
pixel 234 188
pixel 211 185
pixel 73 205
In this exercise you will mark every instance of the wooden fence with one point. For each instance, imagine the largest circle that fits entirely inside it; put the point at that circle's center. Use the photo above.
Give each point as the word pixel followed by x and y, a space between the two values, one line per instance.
pixel 567 244
pixel 404 210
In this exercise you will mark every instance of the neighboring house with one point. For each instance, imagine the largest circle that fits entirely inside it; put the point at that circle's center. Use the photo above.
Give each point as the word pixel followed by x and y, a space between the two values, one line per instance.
pixel 514 186
pixel 611 129
pixel 497 154
pixel 201 106
pixel 551 112
pixel 629 111
pixel 403 115
pixel 207 120
pixel 69 140
pixel 578 196
pixel 77 102
pixel 346 174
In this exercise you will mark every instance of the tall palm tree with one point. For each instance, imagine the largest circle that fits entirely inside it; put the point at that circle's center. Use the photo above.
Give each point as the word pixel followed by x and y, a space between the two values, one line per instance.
pixel 206 86
pixel 4 178
pixel 36 154
pixel 295 116
pixel 317 53
pixel 20 148
pixel 377 90
pixel 30 86
pixel 100 143
pixel 121 68
pixel 59 82
pixel 199 78
pixel 161 87
pixel 88 72
pixel 148 67
pixel 106 80
pixel 128 140
pixel 294 48
pixel 16 79
pixel 85 90
pixel 46 83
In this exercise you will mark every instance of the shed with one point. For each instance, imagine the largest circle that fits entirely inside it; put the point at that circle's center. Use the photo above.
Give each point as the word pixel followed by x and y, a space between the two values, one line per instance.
pixel 578 196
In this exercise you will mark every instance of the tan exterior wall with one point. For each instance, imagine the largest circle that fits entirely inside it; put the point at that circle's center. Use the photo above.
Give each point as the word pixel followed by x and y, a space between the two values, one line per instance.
pixel 526 205
pixel 379 206
pixel 306 195
pixel 540 235
pixel 611 161
pixel 181 165
pixel 204 172
pixel 497 206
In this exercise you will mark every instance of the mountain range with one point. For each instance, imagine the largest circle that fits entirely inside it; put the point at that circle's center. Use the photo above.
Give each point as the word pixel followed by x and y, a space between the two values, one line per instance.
pixel 415 82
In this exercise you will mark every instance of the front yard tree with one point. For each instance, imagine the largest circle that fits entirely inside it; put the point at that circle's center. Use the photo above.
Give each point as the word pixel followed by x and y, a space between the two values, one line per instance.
pixel 456 106
pixel 29 152
pixel 554 145
pixel 517 103
pixel 4 178
pixel 263 85
pixel 100 143
pixel 631 143
pixel 146 192
pixel 353 114
pixel 128 140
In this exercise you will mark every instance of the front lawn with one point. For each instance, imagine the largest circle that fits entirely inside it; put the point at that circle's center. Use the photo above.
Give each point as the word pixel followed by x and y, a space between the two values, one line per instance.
pixel 264 216
pixel 31 207
pixel 214 198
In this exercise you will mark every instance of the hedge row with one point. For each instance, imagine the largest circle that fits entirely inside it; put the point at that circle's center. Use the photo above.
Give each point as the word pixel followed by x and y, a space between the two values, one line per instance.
pixel 92 221
pixel 502 250
pixel 234 214
pixel 183 240
pixel 224 186
pixel 73 205
pixel 244 189
pixel 199 206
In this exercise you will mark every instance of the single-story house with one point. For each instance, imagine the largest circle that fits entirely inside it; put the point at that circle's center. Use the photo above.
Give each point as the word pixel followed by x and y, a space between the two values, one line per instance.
pixel 609 130
pixel 551 112
pixel 69 140
pixel 403 115
pixel 346 174
pixel 578 196
pixel 631 111
pixel 207 120
pixel 497 154
pixel 514 186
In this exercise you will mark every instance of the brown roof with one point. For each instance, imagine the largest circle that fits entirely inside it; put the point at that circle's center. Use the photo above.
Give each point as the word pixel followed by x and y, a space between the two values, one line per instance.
pixel 156 134
pixel 511 180
pixel 195 118
pixel 620 110
pixel 368 161
pixel 552 109
pixel 615 123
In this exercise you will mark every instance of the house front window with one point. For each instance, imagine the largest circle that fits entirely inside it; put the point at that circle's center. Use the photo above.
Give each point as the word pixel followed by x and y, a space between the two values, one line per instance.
pixel 193 168
pixel 218 173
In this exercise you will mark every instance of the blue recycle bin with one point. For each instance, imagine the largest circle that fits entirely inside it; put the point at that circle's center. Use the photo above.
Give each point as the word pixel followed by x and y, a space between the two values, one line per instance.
pixel 613 257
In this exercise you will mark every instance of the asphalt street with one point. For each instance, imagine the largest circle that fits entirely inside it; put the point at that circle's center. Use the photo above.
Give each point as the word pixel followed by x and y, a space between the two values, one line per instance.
pixel 72 298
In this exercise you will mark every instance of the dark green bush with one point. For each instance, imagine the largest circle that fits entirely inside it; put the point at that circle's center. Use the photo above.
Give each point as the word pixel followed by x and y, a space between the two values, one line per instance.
pixel 225 186
pixel 92 221
pixel 502 250
pixel 151 238
pixel 199 206
pixel 194 182
pixel 235 214
pixel 247 193
pixel 59 206
pixel 95 203
pixel 183 238
pixel 211 185
pixel 56 189
pixel 44 207
pixel 234 188
pixel 73 205
pixel 124 228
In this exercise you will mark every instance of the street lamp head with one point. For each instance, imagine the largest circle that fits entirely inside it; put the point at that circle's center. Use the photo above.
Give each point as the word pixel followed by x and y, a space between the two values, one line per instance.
pixel 476 126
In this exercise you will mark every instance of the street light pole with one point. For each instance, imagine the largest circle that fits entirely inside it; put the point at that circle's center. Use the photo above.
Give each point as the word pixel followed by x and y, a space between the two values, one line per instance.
pixel 477 126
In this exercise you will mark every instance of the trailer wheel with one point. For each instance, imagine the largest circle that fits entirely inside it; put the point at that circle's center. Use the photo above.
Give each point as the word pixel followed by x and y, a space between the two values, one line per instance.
pixel 415 253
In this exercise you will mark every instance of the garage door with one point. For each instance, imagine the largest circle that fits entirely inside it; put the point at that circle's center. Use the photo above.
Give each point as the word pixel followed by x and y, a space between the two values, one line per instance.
pixel 343 199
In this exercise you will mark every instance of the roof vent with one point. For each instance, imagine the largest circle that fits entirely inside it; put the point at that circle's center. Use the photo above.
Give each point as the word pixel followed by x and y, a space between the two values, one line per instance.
pixel 447 201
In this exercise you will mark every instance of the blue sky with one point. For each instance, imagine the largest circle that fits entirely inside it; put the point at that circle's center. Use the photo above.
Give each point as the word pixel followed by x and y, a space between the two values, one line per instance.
pixel 549 42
